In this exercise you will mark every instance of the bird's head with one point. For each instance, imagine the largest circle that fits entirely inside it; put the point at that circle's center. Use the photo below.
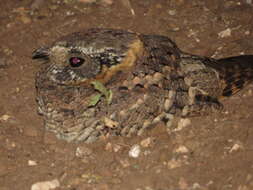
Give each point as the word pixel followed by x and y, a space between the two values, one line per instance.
pixel 94 54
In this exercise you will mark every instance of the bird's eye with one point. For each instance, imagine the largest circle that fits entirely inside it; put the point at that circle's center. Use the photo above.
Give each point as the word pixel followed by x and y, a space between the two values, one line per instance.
pixel 76 61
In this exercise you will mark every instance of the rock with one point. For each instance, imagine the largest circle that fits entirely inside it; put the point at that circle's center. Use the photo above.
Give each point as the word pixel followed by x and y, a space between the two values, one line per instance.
pixel 46 185
pixel 32 163
pixel 183 122
pixel 134 151
pixel 125 163
pixel 172 12
pixel 181 149
pixel 236 147
pixel 5 117
pixel 147 142
pixel 225 33
pixel 173 163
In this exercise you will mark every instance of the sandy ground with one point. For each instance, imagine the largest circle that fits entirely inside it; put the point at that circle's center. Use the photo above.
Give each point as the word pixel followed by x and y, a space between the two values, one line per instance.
pixel 214 152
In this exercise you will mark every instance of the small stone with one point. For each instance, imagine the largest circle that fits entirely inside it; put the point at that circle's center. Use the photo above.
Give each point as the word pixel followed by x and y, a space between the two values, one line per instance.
pixel 10 145
pixel 108 147
pixel 116 148
pixel 172 12
pixel 173 163
pixel 147 142
pixel 5 117
pixel 134 151
pixel 125 163
pixel 183 122
pixel 110 123
pixel 225 33
pixel 32 163
pixel 236 147
pixel 196 186
pixel 46 185
pixel 181 149
pixel 247 32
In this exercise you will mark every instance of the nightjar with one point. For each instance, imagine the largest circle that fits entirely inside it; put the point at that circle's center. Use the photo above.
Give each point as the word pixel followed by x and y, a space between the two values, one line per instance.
pixel 101 82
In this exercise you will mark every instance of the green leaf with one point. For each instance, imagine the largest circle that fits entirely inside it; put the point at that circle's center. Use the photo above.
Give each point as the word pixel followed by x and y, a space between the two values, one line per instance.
pixel 95 99
pixel 109 98
pixel 100 87
pixel 103 91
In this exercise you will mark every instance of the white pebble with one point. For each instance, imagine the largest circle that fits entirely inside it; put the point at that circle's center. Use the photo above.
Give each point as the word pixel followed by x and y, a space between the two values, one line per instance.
pixel 135 151
pixel 183 122
pixel 181 149
pixel 46 185
pixel 225 33
pixel 32 163
pixel 236 147
pixel 5 117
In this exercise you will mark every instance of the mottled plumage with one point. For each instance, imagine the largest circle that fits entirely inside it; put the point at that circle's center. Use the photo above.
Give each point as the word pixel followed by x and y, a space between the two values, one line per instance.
pixel 146 79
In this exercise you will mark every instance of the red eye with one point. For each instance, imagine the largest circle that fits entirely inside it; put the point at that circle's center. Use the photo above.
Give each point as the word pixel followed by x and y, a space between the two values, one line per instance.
pixel 76 61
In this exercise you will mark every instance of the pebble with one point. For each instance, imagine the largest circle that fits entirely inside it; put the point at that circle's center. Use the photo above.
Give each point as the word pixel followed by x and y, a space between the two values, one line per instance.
pixel 5 117
pixel 181 149
pixel 9 145
pixel 125 163
pixel 173 163
pixel 225 33
pixel 32 163
pixel 134 151
pixel 147 142
pixel 183 122
pixel 236 147
pixel 46 185
pixel 113 147
pixel 172 12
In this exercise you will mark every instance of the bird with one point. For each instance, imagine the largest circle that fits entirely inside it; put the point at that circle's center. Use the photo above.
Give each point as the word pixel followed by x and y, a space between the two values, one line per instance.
pixel 102 82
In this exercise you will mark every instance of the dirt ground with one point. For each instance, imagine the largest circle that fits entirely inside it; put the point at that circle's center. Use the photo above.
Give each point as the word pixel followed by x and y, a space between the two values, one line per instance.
pixel 213 153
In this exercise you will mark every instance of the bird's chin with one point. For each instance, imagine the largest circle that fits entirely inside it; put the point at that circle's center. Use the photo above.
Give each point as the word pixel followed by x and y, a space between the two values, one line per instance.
pixel 61 77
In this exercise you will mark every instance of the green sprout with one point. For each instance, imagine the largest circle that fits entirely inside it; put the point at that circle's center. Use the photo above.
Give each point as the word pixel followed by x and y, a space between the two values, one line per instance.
pixel 103 91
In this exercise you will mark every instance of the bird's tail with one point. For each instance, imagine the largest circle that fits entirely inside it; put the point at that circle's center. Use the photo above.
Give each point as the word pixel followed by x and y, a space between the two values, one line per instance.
pixel 236 72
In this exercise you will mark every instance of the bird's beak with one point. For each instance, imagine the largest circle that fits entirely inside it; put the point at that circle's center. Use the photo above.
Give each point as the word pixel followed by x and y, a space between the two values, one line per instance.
pixel 41 53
